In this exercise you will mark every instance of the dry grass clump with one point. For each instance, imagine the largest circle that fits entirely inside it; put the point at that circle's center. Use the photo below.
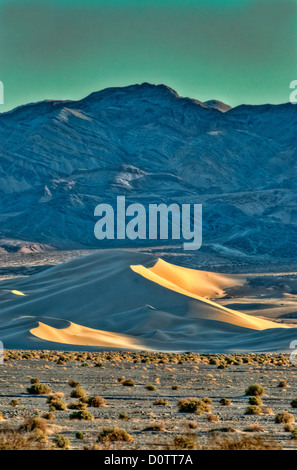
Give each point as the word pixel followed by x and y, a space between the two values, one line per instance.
pixel 32 423
pixel 11 439
pixel 49 415
pixel 114 434
pixel 128 383
pixel 242 443
pixel 193 405
pixel 284 418
pixel 161 402
pixel 124 416
pixel 254 427
pixel 175 387
pixel 62 442
pixel 255 390
pixel 155 426
pixel 185 442
pixel 212 418
pixel 294 434
pixel 96 402
pixel 225 402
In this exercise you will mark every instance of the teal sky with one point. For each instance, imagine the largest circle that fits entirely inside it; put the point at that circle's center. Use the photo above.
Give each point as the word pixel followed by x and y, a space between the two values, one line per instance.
pixel 237 51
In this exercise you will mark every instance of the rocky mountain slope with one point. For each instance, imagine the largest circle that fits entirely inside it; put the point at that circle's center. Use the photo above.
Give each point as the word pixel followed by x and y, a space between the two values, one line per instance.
pixel 59 159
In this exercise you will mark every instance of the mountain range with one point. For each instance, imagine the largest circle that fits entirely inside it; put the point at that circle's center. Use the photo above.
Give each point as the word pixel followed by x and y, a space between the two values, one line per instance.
pixel 59 159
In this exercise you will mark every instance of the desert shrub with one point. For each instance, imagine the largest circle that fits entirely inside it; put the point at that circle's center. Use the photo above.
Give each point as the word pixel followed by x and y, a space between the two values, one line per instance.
pixel 128 383
pixel 294 434
pixel 193 405
pixel 151 388
pixel 73 383
pixel 57 405
pixel 78 392
pixel 207 400
pixel 188 442
pixel 288 428
pixel 255 400
pixel 114 434
pixel 79 435
pixel 123 416
pixel 212 418
pixel 34 380
pixel 253 410
pixel 192 425
pixel 294 403
pixel 77 405
pixel 255 390
pixel 32 423
pixel 62 442
pixel 282 383
pixel 14 403
pixel 243 443
pixel 284 418
pixel 11 439
pixel 175 387
pixel 254 427
pixel 225 402
pixel 161 402
pixel 82 415
pixel 96 402
pixel 39 389
pixel 155 426
pixel 121 379
pixel 49 415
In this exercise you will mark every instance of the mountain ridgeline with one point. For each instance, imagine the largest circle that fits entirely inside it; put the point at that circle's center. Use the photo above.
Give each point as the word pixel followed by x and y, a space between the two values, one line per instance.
pixel 59 159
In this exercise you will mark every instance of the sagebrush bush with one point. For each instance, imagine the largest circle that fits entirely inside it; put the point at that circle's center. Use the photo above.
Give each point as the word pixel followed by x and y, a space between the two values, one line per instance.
pixel 193 405
pixel 255 390
pixel 82 415
pixel 114 434
pixel 96 402
pixel 284 418
pixel 39 389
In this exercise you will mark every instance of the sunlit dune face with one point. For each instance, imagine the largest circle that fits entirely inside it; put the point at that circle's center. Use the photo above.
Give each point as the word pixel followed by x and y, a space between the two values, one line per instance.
pixel 195 284
pixel 17 292
pixel 84 336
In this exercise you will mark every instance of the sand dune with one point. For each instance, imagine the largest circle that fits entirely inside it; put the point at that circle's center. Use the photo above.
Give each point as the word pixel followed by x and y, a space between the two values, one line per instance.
pixel 130 301
pixel 81 335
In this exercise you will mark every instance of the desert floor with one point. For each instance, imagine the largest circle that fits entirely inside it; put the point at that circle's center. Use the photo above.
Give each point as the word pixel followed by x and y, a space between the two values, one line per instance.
pixel 192 375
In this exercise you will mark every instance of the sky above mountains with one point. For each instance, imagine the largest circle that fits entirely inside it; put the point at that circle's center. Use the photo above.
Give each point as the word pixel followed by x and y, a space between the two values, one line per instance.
pixel 237 51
